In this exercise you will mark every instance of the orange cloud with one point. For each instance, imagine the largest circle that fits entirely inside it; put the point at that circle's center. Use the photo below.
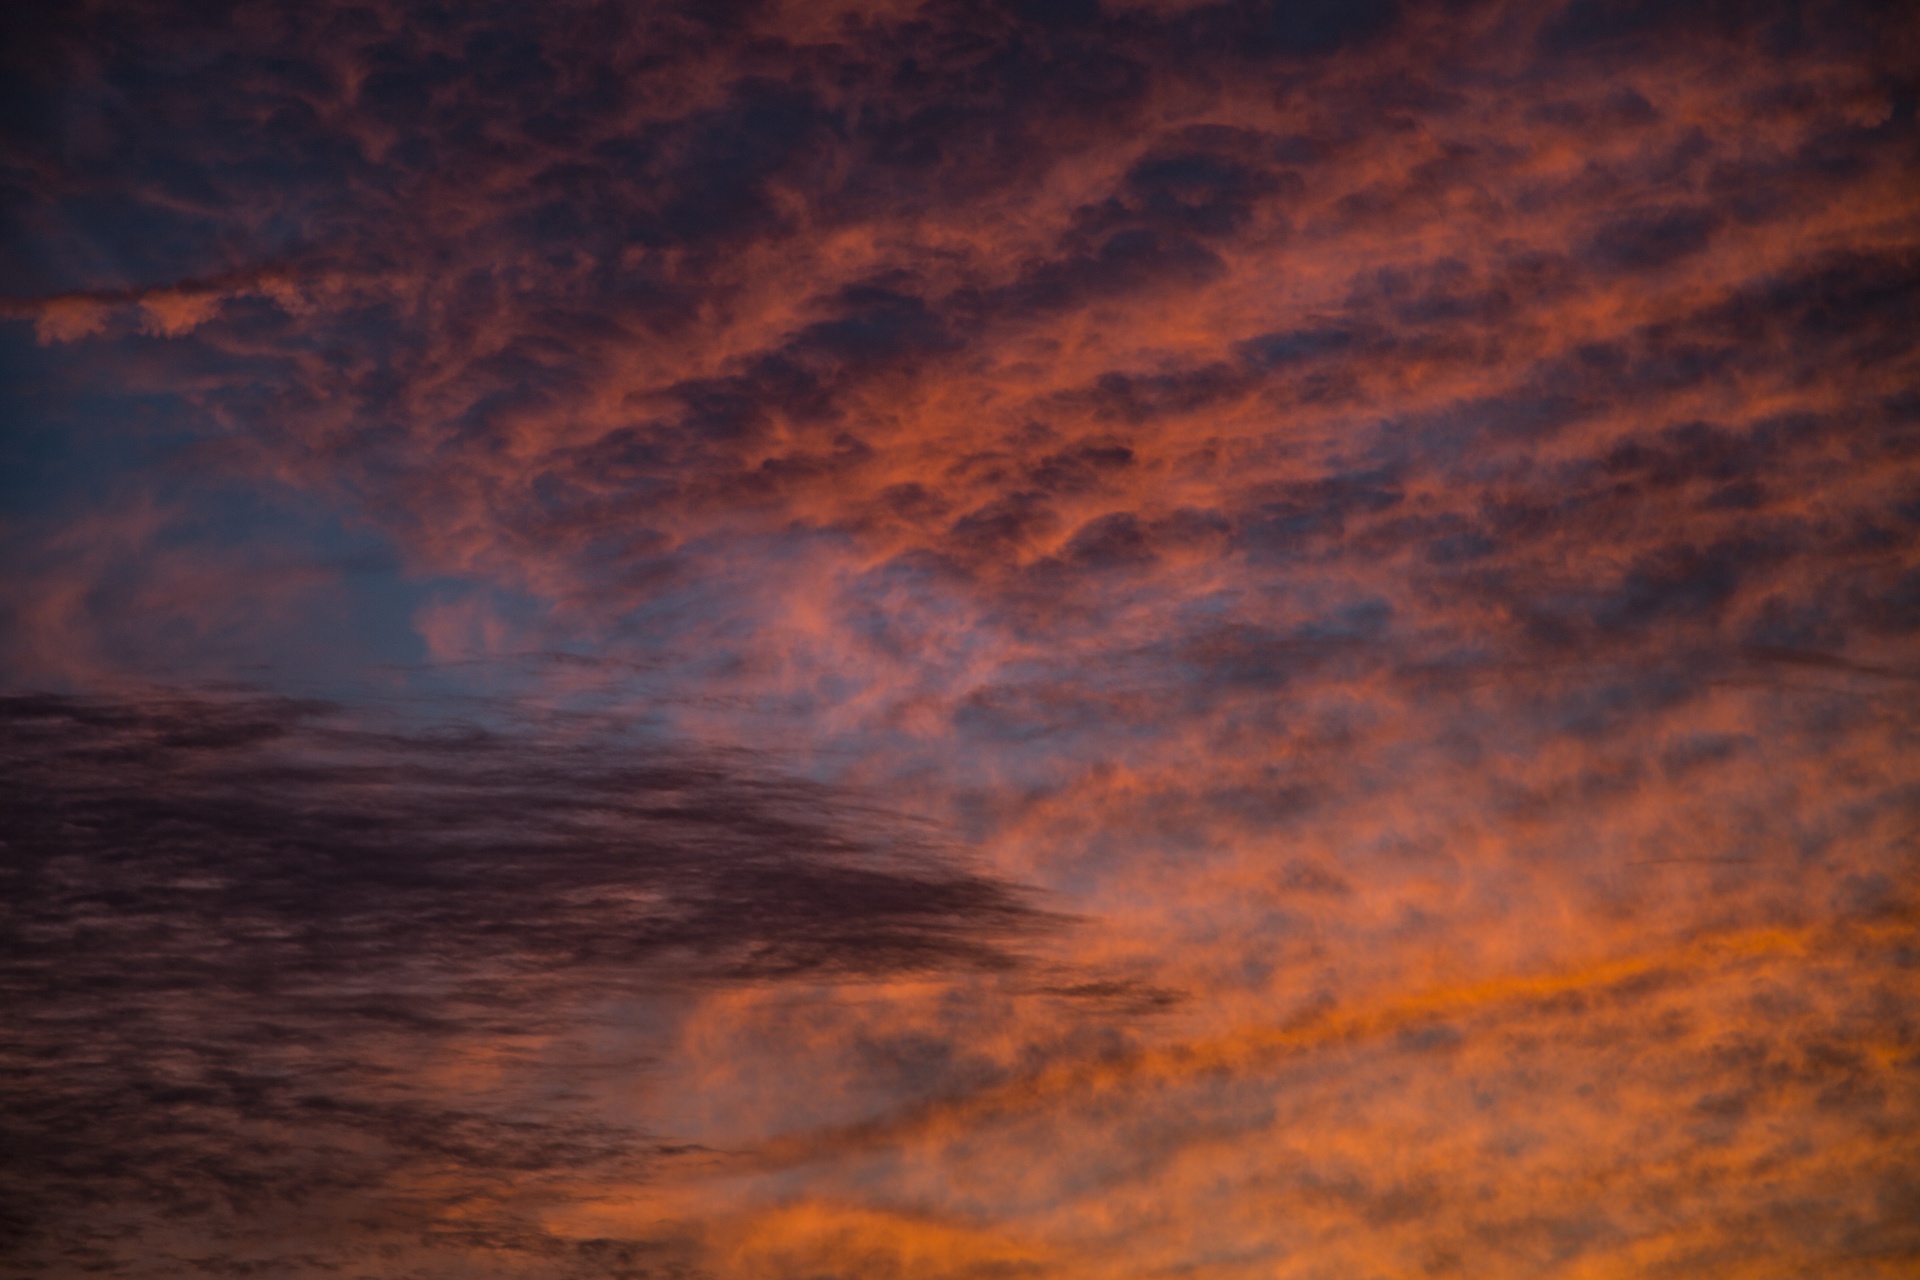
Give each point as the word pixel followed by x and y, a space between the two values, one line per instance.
pixel 1378 541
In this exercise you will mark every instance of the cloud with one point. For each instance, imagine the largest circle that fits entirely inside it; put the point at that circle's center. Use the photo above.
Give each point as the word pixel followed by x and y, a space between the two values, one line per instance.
pixel 1399 518
pixel 233 922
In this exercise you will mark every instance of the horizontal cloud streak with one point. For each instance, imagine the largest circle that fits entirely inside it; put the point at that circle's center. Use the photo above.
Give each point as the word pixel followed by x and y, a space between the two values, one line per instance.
pixel 236 918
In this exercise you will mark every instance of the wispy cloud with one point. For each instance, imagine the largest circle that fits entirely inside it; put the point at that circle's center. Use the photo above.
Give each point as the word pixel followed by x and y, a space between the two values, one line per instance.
pixel 236 928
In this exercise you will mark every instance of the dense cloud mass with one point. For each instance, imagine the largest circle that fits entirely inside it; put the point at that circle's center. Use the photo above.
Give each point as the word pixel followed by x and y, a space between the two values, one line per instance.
pixel 880 639
pixel 229 927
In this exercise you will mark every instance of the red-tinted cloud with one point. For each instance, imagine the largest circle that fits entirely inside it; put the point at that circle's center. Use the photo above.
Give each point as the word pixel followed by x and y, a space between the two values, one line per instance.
pixel 1399 520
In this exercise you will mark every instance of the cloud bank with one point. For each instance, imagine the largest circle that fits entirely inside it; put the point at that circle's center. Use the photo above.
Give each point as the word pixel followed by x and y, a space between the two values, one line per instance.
pixel 1140 638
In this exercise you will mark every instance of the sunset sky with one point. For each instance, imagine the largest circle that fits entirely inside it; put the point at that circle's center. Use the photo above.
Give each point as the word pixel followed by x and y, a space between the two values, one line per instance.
pixel 848 640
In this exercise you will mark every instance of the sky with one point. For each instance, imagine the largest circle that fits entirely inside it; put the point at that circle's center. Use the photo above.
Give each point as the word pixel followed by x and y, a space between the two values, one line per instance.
pixel 803 639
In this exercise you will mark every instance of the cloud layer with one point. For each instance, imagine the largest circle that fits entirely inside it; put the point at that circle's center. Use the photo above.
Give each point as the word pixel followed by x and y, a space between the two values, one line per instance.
pixel 235 931
pixel 1386 532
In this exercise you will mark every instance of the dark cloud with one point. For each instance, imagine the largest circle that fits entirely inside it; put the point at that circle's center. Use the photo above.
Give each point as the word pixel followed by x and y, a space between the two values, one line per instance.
pixel 1646 241
pixel 229 923
pixel 361 846
pixel 1619 26
pixel 1277 29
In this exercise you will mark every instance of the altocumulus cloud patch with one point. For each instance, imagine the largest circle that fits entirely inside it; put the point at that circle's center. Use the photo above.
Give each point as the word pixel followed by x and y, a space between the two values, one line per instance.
pixel 1266 639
